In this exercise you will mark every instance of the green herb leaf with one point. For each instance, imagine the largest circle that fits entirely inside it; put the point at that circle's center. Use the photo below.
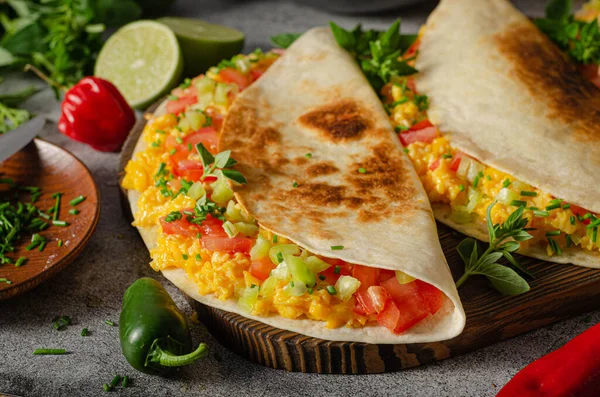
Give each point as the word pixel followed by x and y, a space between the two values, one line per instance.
pixel 284 40
pixel 505 280
pixel 235 176
pixel 558 9
pixel 344 38
pixel 205 156
pixel 222 159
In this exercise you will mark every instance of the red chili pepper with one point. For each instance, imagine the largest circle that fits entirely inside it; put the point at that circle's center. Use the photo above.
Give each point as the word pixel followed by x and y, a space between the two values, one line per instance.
pixel 95 112
pixel 573 370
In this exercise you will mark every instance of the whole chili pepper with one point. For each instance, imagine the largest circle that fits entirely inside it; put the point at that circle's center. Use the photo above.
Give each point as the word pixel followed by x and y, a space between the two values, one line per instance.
pixel 153 332
pixel 95 112
pixel 573 370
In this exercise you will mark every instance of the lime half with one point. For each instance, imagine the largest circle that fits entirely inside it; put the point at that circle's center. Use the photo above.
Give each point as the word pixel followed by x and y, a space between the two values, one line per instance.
pixel 204 44
pixel 143 60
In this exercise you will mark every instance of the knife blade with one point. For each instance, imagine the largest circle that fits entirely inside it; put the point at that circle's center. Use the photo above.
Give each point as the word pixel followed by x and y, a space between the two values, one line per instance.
pixel 15 140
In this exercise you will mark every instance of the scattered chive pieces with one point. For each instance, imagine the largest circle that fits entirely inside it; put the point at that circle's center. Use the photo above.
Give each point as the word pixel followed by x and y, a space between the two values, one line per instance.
pixel 476 180
pixel 594 235
pixel 337 247
pixel 310 291
pixel 279 257
pixel 84 332
pixel 552 207
pixel 292 283
pixel 77 200
pixel 447 156
pixel 331 290
pixel 160 132
pixel 587 216
pixel 400 128
pixel 541 213
pixel 116 380
pixel 172 151
pixel 108 322
pixel 173 98
pixel 553 233
pixel 489 178
pixel 60 322
pixel 198 257
pixel 56 208
pixel 518 203
pixel 572 219
pixel 569 240
pixel 20 261
pixel 362 170
pixel 506 183
pixel 533 208
pixel 528 193
pixel 156 144
pixel 189 146
pixel 185 257
pixel 60 223
pixel 274 239
pixel 59 243
pixel 594 223
pixel 49 351
pixel 179 140
pixel 554 246
pixel 461 188
pixel 107 387
pixel 295 184
pixel 5 280
pixel 43 215
pixel 566 206
pixel 308 155
pixel 321 277
pixel 406 150
pixel 337 269
pixel 125 382
pixel 42 246
pixel 74 211
pixel 198 235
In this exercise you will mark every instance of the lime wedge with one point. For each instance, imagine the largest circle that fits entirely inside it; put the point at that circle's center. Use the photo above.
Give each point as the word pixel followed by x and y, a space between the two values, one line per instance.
pixel 143 60
pixel 204 44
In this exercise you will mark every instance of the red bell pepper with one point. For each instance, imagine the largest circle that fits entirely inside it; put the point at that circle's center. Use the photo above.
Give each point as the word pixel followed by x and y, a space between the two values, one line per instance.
pixel 95 112
pixel 573 370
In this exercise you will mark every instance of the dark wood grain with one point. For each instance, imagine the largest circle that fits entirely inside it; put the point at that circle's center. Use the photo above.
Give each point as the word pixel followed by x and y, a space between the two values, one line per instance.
pixel 52 169
pixel 557 292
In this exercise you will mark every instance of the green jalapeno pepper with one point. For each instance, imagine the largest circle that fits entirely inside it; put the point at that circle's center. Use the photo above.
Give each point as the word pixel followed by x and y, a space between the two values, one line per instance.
pixel 153 332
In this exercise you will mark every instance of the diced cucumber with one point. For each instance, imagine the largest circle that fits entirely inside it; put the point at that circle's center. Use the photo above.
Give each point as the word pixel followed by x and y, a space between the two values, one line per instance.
pixel 260 248
pixel 460 215
pixel 281 271
pixel 474 169
pixel 300 272
pixel 282 249
pixel 474 199
pixel 230 229
pixel 247 229
pixel 505 196
pixel 222 91
pixel 196 191
pixel 316 265
pixel 346 286
pixel 222 193
pixel 267 288
pixel 248 298
pixel 235 213
pixel 196 119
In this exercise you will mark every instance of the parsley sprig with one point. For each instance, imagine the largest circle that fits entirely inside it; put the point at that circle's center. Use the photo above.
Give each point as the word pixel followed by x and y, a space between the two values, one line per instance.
pixel 218 165
pixel 504 239
pixel 580 39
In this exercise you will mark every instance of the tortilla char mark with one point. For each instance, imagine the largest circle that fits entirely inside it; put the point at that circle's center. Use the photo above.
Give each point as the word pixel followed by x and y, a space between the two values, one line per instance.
pixel 321 169
pixel 343 120
pixel 551 79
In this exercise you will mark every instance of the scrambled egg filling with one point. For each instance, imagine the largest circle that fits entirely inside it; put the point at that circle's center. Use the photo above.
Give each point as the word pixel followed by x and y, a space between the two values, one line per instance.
pixel 469 187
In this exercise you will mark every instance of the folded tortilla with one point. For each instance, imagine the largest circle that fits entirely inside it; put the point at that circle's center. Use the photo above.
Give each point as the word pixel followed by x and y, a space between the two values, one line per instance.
pixel 503 93
pixel 315 99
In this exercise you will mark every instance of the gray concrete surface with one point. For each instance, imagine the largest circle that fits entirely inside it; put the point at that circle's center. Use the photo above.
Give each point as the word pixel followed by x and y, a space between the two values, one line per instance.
pixel 90 290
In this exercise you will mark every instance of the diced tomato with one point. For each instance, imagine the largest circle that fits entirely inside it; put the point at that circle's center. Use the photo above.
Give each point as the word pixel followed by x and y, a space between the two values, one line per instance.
pixel 359 308
pixel 256 73
pixel 423 131
pixel 331 277
pixel 412 50
pixel 190 170
pixel 207 136
pixel 182 226
pixel 397 319
pixel 226 244
pixel 366 303
pixel 592 72
pixel 379 296
pixel 216 116
pixel 181 103
pixel 410 84
pixel 405 309
pixel 385 274
pixel 432 296
pixel 433 166
pixel 212 227
pixel 386 93
pixel 230 75
pixel 367 276
pixel 455 163
pixel 578 211
pixel 261 268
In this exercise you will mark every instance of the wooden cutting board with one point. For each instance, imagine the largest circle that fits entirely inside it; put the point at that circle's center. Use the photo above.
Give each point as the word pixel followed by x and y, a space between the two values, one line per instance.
pixel 557 292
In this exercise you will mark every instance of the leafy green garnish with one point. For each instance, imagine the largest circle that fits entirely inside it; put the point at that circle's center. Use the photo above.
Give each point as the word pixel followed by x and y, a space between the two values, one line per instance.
pixel 284 40
pixel 504 239
pixel 219 164
pixel 377 52
pixel 581 40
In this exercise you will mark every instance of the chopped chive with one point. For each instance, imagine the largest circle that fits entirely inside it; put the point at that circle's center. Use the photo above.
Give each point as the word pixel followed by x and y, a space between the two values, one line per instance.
pixel 179 140
pixel 594 235
pixel 310 291
pixel 56 207
pixel 528 193
pixel 185 257
pixel 173 98
pixel 406 150
pixel 59 243
pixel 461 188
pixel 518 203
pixel 532 208
pixel 7 181
pixel 74 211
pixel 587 216
pixel 160 132
pixel 400 128
pixel 115 381
pixel 553 233
pixel 362 170
pixel 77 200
pixel 337 247
pixel 279 257
pixel 476 180
pixel 552 206
pixel 43 215
pixel 295 184
pixel 61 322
pixel 274 239
pixel 308 155
pixel 5 280
pixel 572 219
pixel 107 387
pixel 198 235
pixel 541 213
pixel 60 223
pixel 20 261
pixel 321 277
pixel 292 283
pixel 156 143
pixel 489 178
pixel 569 240
pixel 594 223
pixel 172 151
pixel 189 146
pixel 554 246
pixel 84 332
pixel 331 290
pixel 556 201
pixel 198 257
pixel 42 246
pixel 125 381
pixel 506 182
pixel 49 351
pixel 566 206
pixel 447 156
pixel 108 322
pixel 337 269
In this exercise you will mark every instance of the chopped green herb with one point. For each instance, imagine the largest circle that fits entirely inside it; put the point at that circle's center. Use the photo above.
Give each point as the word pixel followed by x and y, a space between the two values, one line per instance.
pixel 173 216
pixel 115 381
pixel 506 183
pixel 566 206
pixel 553 233
pixel 125 381
pixel 331 290
pixel 84 332
pixel 594 235
pixel 5 280
pixel 74 211
pixel 406 150
pixel 160 132
pixel 400 128
pixel 308 155
pixel 552 206
pixel 198 257
pixel 106 387
pixel 279 257
pixel 60 322
pixel 310 291
pixel 461 188
pixel 108 322
pixel 295 184
pixel 447 156
pixel 541 213
pixel 337 247
pixel 489 178
pixel 185 257
pixel 77 200
pixel 572 219
pixel 59 243
pixel 60 223
pixel 49 351
pixel 518 203
pixel 569 240
pixel 20 262
pixel 56 208
pixel 274 239
pixel 362 170
pixel 156 143
pixel 337 269
pixel 528 193
pixel 172 151
pixel 594 223
pixel 322 277
pixel 179 140
pixel 173 98
pixel 554 246
pixel 476 179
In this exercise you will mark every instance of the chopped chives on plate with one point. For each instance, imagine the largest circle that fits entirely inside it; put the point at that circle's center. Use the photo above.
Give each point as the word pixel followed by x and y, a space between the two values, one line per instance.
pixel 331 290
pixel 20 261
pixel 274 239
pixel 337 247
pixel 518 203
pixel 552 206
pixel 572 219
pixel 108 322
pixel 106 387
pixel 541 213
pixel 84 332
pixel 279 257
pixel 125 382
pixel 506 183
pixel 447 156
pixel 49 351
pixel 5 280
pixel 60 223
pixel 528 193
pixel 115 380
pixel 337 269
pixel 59 243
pixel 553 233
pixel 77 200
pixel 308 155
pixel 594 223
pixel 362 170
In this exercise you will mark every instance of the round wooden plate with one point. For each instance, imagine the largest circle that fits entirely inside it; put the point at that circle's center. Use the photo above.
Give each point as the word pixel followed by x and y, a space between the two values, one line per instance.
pixel 52 169
pixel 557 292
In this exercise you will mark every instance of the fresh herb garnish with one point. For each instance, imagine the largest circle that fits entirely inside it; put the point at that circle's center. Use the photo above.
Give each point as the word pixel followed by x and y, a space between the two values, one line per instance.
pixel 337 247
pixel 284 40
pixel 84 332
pixel 77 200
pixel 219 164
pixel 579 39
pixel 61 322
pixel 504 239
pixel 377 53
pixel 49 351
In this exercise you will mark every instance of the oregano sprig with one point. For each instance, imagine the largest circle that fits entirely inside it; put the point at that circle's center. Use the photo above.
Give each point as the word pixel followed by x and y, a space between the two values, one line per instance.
pixel 504 240
pixel 220 164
